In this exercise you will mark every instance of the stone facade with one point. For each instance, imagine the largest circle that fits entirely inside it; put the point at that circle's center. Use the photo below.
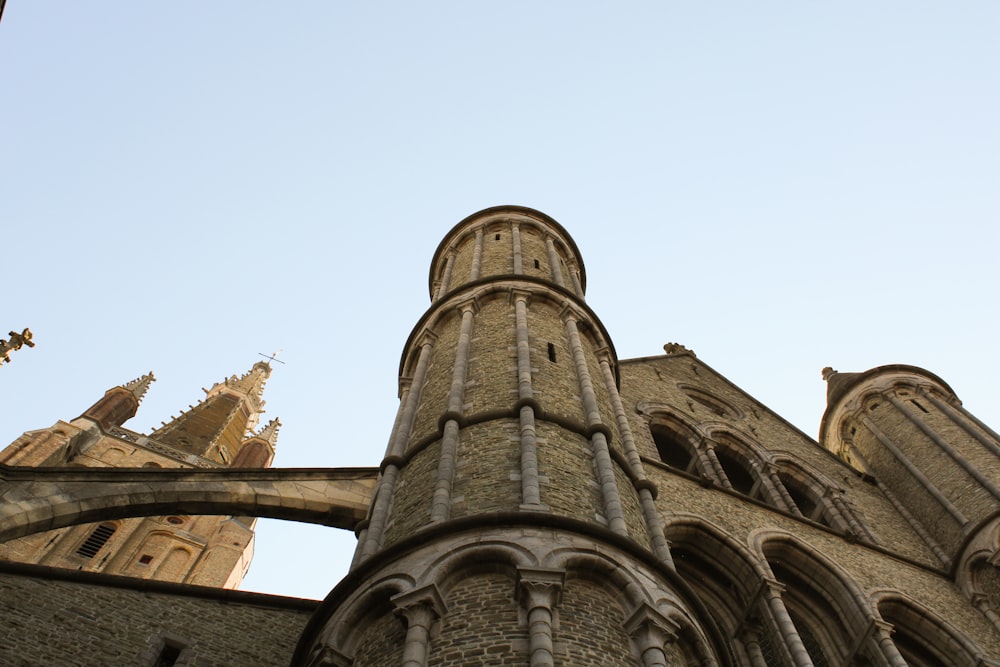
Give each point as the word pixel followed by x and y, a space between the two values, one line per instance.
pixel 543 503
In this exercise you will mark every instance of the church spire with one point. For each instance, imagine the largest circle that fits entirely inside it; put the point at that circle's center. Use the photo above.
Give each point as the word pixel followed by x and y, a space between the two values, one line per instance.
pixel 216 427
pixel 120 403
pixel 257 451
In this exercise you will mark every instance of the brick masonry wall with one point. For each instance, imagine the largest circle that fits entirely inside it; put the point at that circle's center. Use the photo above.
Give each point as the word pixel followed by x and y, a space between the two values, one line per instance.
pixel 568 485
pixel 663 380
pixel 411 501
pixel 380 641
pixel 590 627
pixel 488 469
pixel 481 626
pixel 62 623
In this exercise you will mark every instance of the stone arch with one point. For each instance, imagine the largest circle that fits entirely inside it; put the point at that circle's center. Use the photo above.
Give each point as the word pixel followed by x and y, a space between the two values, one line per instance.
pixel 677 443
pixel 922 637
pixel 452 566
pixel 745 466
pixel 370 608
pixel 827 607
pixel 726 577
pixel 809 491
pixel 38 500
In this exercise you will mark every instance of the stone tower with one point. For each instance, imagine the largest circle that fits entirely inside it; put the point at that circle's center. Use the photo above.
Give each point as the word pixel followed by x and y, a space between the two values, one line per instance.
pixel 218 432
pixel 512 499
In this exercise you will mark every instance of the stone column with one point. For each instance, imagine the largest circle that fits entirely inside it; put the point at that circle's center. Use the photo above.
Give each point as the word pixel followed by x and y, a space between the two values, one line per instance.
pixel 714 465
pixel 441 501
pixel 540 591
pixel 644 488
pixel 982 603
pixel 786 628
pixel 574 275
pixel 557 274
pixel 515 235
pixel 420 608
pixel 883 635
pixel 598 434
pixel 477 255
pixel 650 631
pixel 915 471
pixel 751 641
pixel 946 447
pixel 449 262
pixel 962 417
pixel 776 489
pixel 530 490
pixel 394 461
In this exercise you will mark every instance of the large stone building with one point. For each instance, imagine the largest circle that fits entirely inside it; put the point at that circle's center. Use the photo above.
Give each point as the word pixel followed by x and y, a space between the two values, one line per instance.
pixel 542 502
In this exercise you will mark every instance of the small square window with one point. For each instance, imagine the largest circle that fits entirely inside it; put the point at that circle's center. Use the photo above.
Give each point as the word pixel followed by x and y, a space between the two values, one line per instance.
pixel 145 559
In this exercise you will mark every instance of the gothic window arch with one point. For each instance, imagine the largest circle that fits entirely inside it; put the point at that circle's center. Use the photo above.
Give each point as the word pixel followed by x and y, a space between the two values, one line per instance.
pixel 676 445
pixel 726 582
pixel 807 493
pixel 744 469
pixel 828 611
pixel 924 640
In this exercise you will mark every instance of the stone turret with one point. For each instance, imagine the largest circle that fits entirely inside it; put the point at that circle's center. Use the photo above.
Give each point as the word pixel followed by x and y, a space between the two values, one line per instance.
pixel 906 427
pixel 120 403
pixel 510 443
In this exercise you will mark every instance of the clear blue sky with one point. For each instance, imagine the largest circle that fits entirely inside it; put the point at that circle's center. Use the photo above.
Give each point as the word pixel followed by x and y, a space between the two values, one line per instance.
pixel 779 186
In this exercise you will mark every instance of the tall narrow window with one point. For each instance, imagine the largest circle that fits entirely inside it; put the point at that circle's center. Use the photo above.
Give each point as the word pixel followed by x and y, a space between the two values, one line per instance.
pixel 96 540
pixel 552 352
pixel 168 656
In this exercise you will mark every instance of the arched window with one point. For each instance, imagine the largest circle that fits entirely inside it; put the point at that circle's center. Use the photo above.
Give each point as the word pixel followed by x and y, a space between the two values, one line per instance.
pixel 924 640
pixel 674 449
pixel 738 470
pixel 807 498
pixel 96 540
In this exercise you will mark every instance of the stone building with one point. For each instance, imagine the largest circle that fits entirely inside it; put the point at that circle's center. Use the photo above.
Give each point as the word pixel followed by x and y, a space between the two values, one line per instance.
pixel 205 550
pixel 542 502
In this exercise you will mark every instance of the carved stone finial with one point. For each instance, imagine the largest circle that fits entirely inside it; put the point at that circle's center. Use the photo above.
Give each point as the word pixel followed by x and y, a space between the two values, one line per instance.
pixel 828 372
pixel 17 341
pixel 676 350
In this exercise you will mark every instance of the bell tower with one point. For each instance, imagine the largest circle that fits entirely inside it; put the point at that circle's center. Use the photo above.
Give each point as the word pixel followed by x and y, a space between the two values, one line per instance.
pixel 220 431
pixel 510 440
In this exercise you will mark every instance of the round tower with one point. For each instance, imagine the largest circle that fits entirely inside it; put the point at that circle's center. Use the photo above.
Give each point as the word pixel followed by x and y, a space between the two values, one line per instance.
pixel 935 461
pixel 512 515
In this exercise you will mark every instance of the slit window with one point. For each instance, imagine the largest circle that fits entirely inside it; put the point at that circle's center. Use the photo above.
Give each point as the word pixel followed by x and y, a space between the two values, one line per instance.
pixel 537 265
pixel 96 540
pixel 497 237
pixel 552 352
pixel 920 407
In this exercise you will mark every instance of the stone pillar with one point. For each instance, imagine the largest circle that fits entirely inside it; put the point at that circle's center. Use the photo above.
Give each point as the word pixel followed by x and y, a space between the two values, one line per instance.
pixel 530 490
pixel 515 235
pixel 883 635
pixel 786 628
pixel 962 417
pixel 477 255
pixel 776 489
pixel 714 465
pixel 392 463
pixel 420 608
pixel 751 642
pixel 915 471
pixel 557 275
pixel 441 502
pixel 599 434
pixel 574 275
pixel 982 603
pixel 449 262
pixel 650 631
pixel 540 591
pixel 645 488
pixel 945 446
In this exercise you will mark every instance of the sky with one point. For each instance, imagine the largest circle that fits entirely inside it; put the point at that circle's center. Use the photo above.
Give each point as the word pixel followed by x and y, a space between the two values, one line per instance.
pixel 779 186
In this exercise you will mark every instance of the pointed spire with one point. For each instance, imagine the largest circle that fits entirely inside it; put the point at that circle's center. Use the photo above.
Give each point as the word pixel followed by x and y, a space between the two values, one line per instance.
pixel 120 403
pixel 270 432
pixel 218 425
pixel 139 386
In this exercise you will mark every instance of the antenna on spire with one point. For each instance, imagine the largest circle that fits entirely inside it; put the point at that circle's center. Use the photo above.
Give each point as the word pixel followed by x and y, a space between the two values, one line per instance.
pixel 273 356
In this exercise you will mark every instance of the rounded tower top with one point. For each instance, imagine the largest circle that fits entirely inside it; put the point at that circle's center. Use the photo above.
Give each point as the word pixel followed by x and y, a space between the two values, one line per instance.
pixel 502 241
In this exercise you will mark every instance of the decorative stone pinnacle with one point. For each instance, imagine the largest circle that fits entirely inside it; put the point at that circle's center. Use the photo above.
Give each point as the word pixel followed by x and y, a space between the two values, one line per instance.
pixel 828 372
pixel 16 342
pixel 270 432
pixel 140 385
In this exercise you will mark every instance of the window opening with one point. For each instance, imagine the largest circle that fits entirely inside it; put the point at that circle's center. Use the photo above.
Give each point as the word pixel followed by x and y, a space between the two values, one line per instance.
pixel 537 265
pixel 920 407
pixel 96 540
pixel 145 559
pixel 673 450
pixel 168 656
pixel 552 352
pixel 737 471
pixel 498 237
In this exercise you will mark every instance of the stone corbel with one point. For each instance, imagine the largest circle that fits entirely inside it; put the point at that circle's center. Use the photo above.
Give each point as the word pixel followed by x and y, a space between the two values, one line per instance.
pixel 650 631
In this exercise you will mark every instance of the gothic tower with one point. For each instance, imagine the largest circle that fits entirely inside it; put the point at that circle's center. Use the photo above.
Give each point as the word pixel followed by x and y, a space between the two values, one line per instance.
pixel 511 482
pixel 218 432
